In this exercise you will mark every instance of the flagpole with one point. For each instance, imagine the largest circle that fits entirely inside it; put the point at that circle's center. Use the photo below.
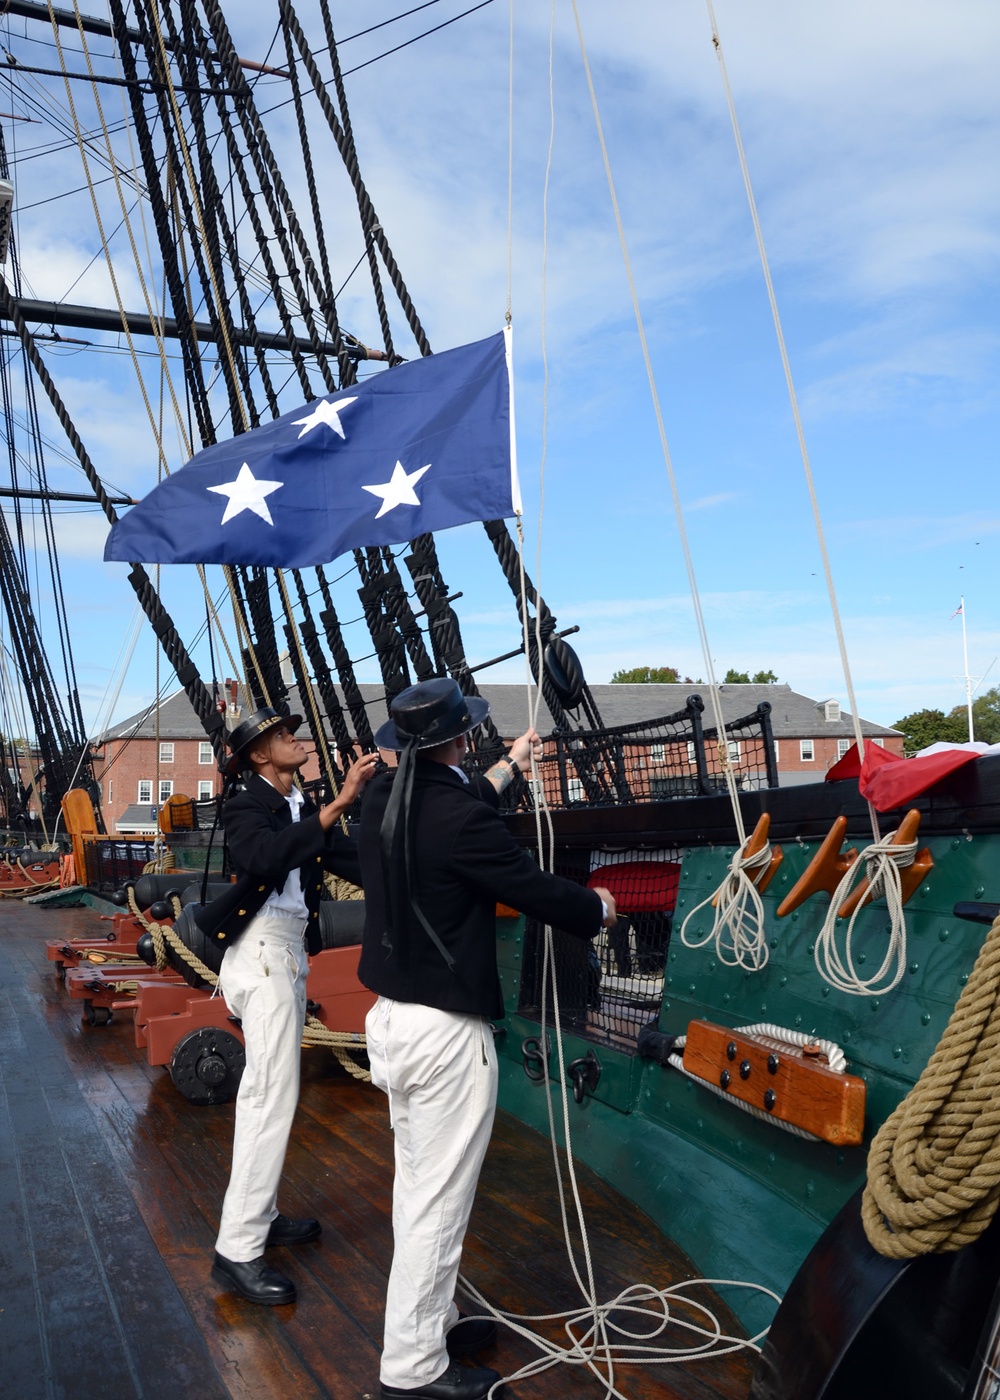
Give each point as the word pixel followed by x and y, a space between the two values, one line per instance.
pixel 968 678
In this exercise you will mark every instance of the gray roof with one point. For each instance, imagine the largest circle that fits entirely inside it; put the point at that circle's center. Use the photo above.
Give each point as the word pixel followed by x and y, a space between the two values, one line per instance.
pixel 793 716
pixel 137 814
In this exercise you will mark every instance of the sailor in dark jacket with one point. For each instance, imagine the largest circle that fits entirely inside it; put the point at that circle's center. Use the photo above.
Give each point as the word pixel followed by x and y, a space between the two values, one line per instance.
pixel 280 844
pixel 435 860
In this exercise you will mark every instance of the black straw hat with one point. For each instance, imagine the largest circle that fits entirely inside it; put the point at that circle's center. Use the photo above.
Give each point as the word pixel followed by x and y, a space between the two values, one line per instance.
pixel 430 713
pixel 254 727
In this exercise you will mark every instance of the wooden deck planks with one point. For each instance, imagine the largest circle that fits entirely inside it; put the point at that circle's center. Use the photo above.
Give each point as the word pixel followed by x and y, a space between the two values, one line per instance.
pixel 109 1205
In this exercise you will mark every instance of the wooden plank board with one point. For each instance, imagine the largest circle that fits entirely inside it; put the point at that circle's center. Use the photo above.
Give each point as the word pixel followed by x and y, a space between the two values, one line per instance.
pixel 779 1080
pixel 143 1172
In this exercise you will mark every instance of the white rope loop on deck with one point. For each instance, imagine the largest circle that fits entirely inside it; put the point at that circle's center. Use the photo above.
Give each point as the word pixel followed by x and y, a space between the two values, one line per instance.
pixel 738 926
pixel 881 862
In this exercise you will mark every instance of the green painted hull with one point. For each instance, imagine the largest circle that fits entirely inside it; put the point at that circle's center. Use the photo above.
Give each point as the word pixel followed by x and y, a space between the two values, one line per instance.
pixel 743 1198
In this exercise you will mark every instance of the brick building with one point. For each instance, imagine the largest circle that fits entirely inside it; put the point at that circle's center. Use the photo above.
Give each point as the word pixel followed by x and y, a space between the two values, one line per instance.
pixel 138 772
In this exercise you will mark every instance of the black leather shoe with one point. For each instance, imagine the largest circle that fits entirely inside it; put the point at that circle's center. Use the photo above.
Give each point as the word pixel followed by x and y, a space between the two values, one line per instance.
pixel 470 1335
pixel 457 1383
pixel 285 1231
pixel 254 1280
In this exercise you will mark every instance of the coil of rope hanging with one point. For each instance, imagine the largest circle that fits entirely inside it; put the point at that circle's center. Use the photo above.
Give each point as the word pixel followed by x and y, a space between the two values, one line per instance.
pixel 738 925
pixel 881 862
pixel 934 1165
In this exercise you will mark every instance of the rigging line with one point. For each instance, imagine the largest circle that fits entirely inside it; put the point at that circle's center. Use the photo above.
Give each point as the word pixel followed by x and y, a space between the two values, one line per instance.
pixel 510 168
pixel 197 206
pixel 107 253
pixel 165 373
pixel 367 64
pixel 416 38
pixel 792 395
pixel 147 85
pixel 393 20
pixel 724 759
pixel 52 112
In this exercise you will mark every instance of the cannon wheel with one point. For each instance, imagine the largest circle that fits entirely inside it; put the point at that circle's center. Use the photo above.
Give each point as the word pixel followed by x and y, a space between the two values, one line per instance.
pixel 96 1015
pixel 207 1066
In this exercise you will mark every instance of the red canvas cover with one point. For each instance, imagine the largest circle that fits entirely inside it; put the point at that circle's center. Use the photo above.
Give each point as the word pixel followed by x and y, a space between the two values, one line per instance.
pixel 640 886
pixel 889 781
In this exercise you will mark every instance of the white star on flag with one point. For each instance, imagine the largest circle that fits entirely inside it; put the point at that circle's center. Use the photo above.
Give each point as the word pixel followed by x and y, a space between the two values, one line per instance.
pixel 398 490
pixel 324 412
pixel 246 493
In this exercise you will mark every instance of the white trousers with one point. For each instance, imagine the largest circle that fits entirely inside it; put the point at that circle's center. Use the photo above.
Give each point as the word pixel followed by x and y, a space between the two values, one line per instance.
pixel 263 980
pixel 439 1069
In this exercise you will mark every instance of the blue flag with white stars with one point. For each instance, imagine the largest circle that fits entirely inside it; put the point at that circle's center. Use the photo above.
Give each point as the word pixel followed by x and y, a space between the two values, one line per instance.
pixel 421 447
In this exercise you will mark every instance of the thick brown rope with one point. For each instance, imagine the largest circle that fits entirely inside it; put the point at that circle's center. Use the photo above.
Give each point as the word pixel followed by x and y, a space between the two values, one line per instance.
pixel 934 1166
pixel 314 1033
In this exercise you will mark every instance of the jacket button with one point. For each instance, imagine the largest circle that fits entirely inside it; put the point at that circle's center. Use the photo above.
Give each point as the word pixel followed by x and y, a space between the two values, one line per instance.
pixel 241 911
pixel 318 859
pixel 261 889
pixel 314 915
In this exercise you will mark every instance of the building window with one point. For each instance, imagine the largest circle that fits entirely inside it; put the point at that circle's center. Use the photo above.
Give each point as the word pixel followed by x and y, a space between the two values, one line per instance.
pixel 777 752
pixel 880 742
pixel 842 746
pixel 166 789
pixel 574 789
pixel 111 789
pixel 205 790
pixel 166 753
pixel 733 749
pixel 657 753
pixel 806 751
pixel 145 791
pixel 205 754
pixel 691 754
pixel 832 709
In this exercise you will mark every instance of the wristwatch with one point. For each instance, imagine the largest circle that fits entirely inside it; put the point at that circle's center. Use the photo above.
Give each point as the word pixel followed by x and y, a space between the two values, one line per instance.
pixel 515 770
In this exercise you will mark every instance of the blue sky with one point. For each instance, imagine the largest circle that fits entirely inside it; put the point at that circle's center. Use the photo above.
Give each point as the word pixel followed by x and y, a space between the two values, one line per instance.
pixel 871 132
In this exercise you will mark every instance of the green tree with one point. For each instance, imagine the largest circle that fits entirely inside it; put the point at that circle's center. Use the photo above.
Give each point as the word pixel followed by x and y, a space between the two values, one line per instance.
pixel 925 727
pixel 744 678
pixel 985 717
pixel 647 675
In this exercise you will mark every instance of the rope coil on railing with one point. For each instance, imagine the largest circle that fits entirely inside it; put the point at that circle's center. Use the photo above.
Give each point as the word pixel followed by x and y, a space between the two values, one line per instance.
pixel 881 862
pixel 737 932
pixel 934 1165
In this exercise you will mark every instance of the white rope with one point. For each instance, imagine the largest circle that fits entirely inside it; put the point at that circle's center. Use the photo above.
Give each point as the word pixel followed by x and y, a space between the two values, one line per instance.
pixel 882 862
pixel 510 170
pixel 737 932
pixel 836 1059
pixel 793 399
pixel 713 689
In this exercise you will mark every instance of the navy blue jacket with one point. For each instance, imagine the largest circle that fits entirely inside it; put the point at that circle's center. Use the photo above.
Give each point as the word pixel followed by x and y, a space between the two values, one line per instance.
pixel 465 862
pixel 265 845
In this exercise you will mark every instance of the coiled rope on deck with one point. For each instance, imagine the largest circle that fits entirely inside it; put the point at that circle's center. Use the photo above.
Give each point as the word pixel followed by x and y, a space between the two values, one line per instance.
pixel 934 1166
